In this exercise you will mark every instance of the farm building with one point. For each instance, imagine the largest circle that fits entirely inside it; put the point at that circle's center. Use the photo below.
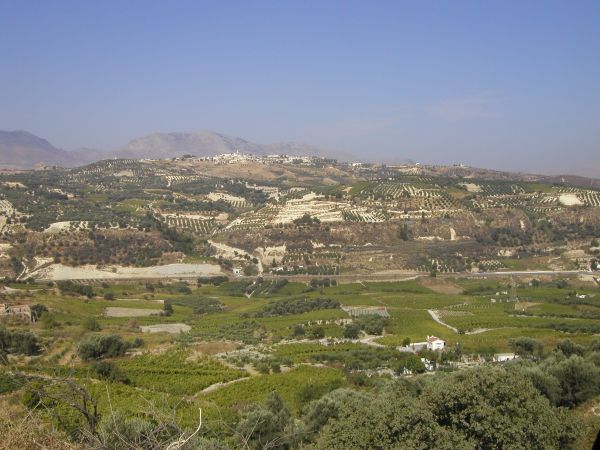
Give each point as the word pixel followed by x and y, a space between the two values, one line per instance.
pixel 17 311
pixel 237 272
pixel 435 343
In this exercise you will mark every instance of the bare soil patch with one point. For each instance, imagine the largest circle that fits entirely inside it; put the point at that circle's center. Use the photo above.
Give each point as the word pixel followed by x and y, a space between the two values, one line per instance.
pixel 117 311
pixel 173 328
pixel 523 306
pixel 441 286
pixel 214 348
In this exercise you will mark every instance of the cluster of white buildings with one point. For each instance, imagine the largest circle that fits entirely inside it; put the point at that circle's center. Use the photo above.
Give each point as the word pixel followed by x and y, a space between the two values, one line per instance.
pixel 237 157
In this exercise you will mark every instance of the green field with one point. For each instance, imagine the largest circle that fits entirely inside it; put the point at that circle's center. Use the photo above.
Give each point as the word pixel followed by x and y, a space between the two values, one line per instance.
pixel 241 355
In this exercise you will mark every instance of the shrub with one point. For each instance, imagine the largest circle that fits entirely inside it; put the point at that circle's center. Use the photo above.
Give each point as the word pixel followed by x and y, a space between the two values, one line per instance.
pixel 201 305
pixel 91 324
pixel 372 324
pixel 298 305
pixel 527 347
pixel 102 346
pixel 18 342
pixel 216 281
pixel 316 333
pixel 270 425
pixel 49 322
pixel 109 371
pixel 167 308
pixel 68 287
pixel 351 331
pixel 37 311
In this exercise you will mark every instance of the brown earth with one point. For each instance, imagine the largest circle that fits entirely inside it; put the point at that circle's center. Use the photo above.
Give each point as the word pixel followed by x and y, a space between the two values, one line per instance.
pixel 441 286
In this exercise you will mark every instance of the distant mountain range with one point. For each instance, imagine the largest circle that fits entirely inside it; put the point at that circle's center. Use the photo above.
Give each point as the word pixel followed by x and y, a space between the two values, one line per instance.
pixel 21 149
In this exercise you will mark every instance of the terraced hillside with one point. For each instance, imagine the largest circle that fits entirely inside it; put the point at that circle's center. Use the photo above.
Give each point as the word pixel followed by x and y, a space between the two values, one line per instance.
pixel 379 219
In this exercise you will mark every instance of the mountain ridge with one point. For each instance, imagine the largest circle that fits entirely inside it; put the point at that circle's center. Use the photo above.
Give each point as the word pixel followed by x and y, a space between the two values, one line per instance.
pixel 22 149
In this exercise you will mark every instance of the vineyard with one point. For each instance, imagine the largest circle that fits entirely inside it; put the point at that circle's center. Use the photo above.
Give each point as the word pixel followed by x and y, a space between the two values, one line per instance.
pixel 177 372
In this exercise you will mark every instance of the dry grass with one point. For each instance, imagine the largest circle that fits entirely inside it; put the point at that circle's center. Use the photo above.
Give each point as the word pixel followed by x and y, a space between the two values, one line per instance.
pixel 213 348
pixel 523 306
pixel 23 430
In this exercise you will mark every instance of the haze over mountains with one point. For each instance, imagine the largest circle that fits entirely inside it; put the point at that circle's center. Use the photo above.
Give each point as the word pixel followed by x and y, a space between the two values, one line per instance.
pixel 21 149
pixel 24 150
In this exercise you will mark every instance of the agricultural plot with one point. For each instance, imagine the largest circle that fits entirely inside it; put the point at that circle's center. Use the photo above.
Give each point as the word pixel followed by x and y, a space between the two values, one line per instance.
pixel 438 265
pixel 117 311
pixel 255 219
pixel 8 215
pixel 490 265
pixel 196 223
pixel 173 180
pixel 499 189
pixel 296 387
pixel 177 372
pixel 361 311
pixel 590 198
pixel 236 202
pixel 6 208
pixel 172 328
pixel 271 191
pixel 442 202
pixel 394 190
pixel 176 366
pixel 320 270
pixel 531 201
pixel 362 215
pixel 117 167
pixel 325 211
pixel 60 227
pixel 570 196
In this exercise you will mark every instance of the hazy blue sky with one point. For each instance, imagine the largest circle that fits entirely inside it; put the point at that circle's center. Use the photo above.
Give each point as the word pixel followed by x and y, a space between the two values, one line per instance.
pixel 502 84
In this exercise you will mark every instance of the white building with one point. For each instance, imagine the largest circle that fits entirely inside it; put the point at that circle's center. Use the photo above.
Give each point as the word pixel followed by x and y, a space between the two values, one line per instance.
pixel 435 343
pixel 237 272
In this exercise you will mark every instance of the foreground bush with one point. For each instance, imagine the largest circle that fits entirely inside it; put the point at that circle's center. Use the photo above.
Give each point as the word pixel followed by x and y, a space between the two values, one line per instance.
pixel 489 408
